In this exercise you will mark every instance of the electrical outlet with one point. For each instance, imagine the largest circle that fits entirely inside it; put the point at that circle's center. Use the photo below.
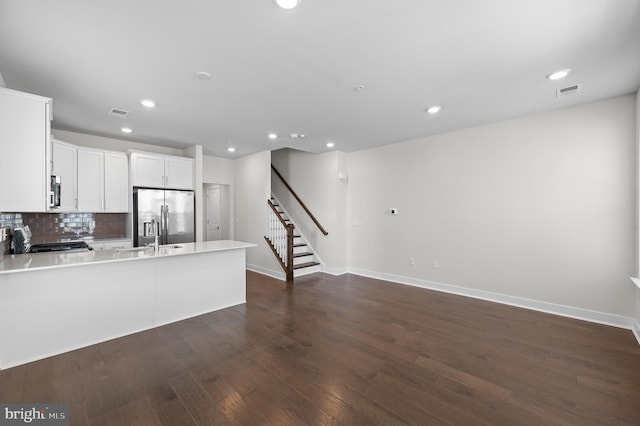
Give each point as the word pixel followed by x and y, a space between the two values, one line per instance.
pixel 393 211
pixel 434 264
pixel 412 261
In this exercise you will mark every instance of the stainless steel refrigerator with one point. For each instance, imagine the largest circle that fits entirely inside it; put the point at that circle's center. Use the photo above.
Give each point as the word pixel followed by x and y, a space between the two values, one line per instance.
pixel 169 213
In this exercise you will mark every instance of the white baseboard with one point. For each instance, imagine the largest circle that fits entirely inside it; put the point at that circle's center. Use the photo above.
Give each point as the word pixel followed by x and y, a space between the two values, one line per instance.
pixel 336 271
pixel 269 272
pixel 604 318
pixel 300 272
pixel 636 330
pixel 536 305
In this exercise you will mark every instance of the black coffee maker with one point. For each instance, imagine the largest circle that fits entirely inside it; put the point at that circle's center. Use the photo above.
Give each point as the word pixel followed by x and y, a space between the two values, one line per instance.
pixel 21 240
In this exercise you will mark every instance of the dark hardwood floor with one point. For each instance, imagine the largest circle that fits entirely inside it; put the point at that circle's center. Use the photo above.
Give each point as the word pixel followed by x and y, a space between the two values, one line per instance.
pixel 347 350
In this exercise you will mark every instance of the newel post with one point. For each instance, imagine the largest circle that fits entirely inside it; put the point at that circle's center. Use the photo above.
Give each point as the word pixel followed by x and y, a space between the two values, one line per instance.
pixel 290 228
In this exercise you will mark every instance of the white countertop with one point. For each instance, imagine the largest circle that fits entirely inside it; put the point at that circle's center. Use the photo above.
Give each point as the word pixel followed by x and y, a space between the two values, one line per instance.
pixel 38 261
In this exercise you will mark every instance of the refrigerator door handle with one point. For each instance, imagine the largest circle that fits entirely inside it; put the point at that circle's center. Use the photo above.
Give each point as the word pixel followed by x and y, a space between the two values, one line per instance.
pixel 161 225
pixel 166 224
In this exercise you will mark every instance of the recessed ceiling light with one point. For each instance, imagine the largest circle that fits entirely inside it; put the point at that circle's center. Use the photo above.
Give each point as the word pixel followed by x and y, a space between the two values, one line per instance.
pixel 558 74
pixel 434 109
pixel 297 136
pixel 273 136
pixel 148 103
pixel 287 4
pixel 231 149
pixel 330 144
pixel 203 75
pixel 126 130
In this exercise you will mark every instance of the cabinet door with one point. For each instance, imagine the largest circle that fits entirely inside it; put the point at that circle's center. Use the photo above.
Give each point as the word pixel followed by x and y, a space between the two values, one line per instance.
pixel 179 173
pixel 90 180
pixel 24 142
pixel 64 165
pixel 147 170
pixel 116 182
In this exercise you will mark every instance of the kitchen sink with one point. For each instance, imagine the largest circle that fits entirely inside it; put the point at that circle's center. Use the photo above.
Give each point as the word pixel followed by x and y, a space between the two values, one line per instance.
pixel 135 249
pixel 150 248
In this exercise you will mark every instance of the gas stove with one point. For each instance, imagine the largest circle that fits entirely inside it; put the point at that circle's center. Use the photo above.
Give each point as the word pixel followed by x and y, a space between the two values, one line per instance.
pixel 65 247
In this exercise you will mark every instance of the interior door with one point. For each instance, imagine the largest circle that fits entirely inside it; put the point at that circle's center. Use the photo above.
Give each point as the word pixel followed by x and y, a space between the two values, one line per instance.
pixel 213 213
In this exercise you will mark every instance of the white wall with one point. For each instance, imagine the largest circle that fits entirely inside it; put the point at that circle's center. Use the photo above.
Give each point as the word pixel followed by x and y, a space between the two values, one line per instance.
pixel 314 177
pixel 195 152
pixel 541 207
pixel 226 228
pixel 637 290
pixel 217 170
pixel 252 182
pixel 100 142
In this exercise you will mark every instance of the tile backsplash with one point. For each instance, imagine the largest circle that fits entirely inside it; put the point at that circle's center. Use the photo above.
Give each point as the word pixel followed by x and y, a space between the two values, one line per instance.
pixel 51 227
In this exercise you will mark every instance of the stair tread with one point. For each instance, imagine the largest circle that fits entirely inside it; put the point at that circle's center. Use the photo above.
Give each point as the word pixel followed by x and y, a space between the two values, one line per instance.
pixel 305 265
pixel 299 245
pixel 308 253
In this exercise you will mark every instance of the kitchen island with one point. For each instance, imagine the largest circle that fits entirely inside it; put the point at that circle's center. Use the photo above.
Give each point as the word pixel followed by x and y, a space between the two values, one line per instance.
pixel 52 303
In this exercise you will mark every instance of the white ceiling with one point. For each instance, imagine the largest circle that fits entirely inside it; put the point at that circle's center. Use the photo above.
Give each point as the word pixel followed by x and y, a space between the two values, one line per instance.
pixel 287 71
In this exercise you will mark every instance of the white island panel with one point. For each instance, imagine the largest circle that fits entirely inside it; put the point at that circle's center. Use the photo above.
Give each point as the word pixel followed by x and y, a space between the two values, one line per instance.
pixel 52 303
pixel 198 284
pixel 47 312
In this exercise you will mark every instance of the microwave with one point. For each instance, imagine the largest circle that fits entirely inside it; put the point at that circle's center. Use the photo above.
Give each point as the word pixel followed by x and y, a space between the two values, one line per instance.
pixel 55 190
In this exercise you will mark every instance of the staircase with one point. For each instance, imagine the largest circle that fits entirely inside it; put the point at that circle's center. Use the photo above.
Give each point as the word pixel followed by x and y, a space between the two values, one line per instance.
pixel 295 255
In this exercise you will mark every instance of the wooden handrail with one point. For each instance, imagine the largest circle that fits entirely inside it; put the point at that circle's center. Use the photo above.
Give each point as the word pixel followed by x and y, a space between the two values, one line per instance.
pixel 306 209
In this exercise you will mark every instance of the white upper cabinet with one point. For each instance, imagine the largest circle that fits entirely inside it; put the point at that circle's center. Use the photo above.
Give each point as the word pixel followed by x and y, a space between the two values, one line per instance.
pixel 25 136
pixel 103 181
pixel 64 165
pixel 90 180
pixel 161 171
pixel 116 182
pixel 147 170
pixel 179 172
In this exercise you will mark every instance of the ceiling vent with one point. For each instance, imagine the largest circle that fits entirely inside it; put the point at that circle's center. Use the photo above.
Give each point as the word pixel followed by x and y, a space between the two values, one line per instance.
pixel 569 90
pixel 117 112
